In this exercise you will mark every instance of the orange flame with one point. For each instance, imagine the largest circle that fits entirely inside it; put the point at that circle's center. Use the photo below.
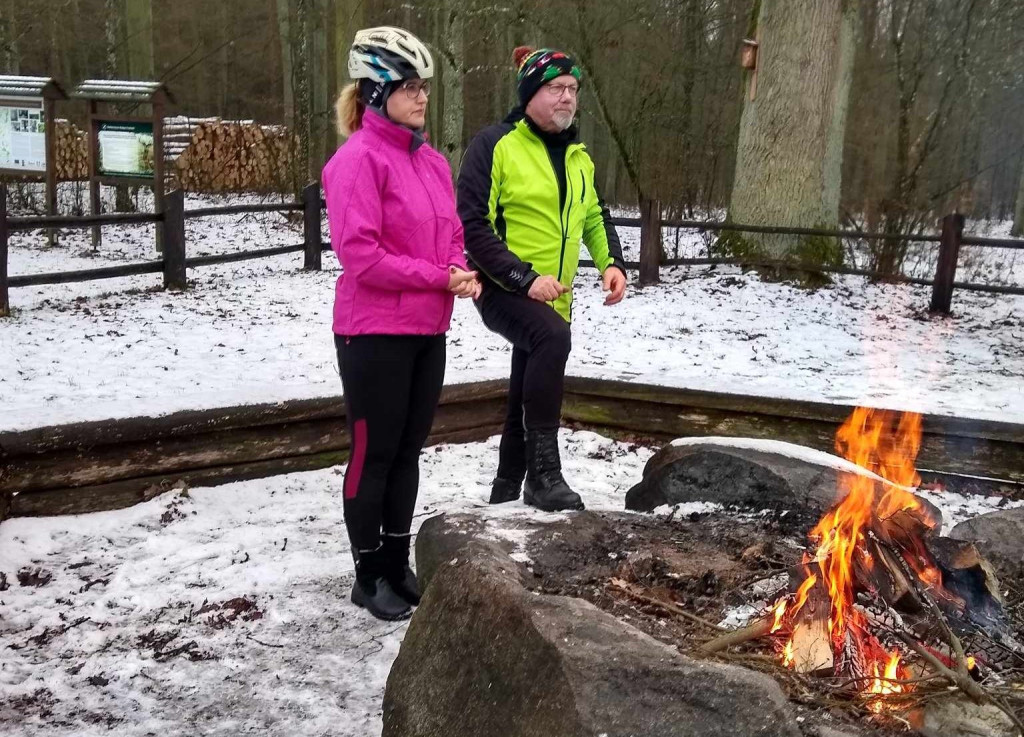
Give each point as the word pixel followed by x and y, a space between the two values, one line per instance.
pixel 787 654
pixel 885 443
pixel 885 684
pixel 780 612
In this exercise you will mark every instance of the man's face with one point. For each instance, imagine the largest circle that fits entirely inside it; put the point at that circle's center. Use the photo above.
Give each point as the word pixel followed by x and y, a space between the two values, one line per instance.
pixel 553 108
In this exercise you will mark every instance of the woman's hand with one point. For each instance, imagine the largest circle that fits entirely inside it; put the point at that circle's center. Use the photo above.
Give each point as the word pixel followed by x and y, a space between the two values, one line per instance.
pixel 463 283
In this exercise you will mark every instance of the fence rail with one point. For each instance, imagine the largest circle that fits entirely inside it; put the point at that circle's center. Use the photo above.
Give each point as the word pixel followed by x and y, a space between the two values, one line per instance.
pixel 174 262
pixel 93 466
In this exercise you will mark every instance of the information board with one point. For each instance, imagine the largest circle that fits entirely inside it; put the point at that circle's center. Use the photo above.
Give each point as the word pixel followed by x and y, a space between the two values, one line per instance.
pixel 22 134
pixel 125 148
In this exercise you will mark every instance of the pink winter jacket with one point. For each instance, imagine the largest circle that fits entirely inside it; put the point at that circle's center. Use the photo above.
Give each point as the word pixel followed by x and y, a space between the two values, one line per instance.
pixel 394 227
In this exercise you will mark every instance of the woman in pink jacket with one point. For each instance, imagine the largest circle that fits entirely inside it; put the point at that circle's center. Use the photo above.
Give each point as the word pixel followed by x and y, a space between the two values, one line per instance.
pixel 394 227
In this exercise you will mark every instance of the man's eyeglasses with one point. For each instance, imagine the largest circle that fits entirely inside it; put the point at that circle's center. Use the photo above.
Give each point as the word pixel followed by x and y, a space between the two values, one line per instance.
pixel 413 88
pixel 557 90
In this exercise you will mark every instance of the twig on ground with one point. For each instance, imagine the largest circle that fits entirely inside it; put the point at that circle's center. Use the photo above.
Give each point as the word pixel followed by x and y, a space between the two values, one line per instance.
pixel 261 642
pixel 758 629
pixel 631 591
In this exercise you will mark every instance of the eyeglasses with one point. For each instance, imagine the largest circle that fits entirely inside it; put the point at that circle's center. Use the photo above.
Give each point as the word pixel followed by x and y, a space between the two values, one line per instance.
pixel 557 90
pixel 412 89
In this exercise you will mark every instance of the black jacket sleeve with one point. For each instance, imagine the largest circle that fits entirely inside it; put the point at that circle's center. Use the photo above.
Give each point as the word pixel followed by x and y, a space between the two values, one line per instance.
pixel 485 247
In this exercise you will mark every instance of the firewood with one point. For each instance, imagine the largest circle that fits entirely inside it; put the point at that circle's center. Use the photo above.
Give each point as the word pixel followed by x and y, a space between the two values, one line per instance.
pixel 810 648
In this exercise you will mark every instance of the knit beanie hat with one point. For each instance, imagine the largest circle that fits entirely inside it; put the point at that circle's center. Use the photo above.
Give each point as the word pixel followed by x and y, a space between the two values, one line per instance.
pixel 539 66
pixel 375 94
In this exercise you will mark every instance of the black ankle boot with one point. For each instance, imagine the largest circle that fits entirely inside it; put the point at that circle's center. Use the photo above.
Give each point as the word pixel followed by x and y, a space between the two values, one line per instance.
pixel 372 590
pixel 545 487
pixel 504 490
pixel 396 568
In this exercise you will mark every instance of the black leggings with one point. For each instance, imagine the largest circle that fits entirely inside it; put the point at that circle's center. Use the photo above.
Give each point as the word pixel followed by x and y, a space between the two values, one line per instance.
pixel 392 385
pixel 541 341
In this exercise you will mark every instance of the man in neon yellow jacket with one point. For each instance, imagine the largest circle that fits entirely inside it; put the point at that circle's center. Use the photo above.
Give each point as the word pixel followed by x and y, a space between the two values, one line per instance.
pixel 527 200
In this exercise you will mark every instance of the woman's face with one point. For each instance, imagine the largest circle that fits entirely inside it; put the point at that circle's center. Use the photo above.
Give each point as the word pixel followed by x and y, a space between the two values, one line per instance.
pixel 408 104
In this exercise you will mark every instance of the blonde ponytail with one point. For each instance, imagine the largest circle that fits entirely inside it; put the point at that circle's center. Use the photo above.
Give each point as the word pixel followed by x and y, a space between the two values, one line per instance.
pixel 349 109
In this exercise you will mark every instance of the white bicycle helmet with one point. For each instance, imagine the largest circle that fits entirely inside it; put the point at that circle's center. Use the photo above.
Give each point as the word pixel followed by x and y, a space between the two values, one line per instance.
pixel 389 54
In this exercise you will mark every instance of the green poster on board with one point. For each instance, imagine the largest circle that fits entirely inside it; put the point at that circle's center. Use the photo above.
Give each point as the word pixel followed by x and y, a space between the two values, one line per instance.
pixel 126 149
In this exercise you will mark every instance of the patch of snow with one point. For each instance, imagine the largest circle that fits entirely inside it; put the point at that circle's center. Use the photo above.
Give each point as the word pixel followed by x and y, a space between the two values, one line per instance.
pixel 685 509
pixel 741 616
pixel 789 450
pixel 311 664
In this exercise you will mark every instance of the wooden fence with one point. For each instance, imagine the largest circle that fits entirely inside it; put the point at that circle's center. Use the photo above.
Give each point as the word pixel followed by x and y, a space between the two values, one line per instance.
pixel 175 261
pixel 91 466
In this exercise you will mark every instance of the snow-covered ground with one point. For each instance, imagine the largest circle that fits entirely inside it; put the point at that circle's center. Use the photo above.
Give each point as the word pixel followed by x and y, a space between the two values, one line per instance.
pixel 130 584
pixel 225 611
pixel 259 331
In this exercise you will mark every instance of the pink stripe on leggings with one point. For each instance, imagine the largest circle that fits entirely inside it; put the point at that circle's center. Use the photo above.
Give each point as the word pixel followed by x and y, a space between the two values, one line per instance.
pixel 355 464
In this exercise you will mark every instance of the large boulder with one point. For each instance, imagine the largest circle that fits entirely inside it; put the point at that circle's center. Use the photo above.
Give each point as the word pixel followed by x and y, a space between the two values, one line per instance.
pixel 484 656
pixel 998 535
pixel 754 475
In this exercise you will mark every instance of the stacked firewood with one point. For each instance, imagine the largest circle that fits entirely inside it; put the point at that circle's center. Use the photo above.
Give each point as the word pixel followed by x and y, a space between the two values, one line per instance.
pixel 227 156
pixel 72 152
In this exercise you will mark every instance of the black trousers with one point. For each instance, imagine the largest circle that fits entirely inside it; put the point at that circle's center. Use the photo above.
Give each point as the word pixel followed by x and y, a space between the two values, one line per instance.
pixel 541 341
pixel 392 385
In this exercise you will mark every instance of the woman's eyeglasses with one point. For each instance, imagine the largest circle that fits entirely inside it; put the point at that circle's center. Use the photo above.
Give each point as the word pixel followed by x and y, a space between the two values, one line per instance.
pixel 413 88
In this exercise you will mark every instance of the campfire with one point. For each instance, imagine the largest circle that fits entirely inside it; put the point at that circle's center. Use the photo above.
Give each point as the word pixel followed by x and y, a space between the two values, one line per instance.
pixel 880 602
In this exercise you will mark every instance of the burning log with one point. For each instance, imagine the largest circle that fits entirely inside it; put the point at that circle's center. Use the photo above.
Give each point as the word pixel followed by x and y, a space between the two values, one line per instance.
pixel 881 583
pixel 877 571
pixel 809 650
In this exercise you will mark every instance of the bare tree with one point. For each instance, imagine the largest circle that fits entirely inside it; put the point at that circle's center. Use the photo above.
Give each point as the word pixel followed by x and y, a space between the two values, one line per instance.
pixel 789 155
pixel 10 57
pixel 1018 211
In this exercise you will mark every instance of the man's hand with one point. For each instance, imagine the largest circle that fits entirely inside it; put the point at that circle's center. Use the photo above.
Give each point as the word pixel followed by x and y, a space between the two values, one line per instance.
pixel 613 281
pixel 546 289
pixel 459 279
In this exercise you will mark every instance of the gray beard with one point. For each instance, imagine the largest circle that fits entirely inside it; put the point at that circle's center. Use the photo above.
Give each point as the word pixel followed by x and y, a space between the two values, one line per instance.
pixel 562 120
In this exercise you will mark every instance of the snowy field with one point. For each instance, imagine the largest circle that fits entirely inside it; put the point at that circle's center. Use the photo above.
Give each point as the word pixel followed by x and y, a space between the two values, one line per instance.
pixel 226 612
pixel 259 331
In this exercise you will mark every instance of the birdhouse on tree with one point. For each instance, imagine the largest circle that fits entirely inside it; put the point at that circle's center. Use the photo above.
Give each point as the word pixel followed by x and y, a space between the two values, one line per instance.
pixel 748 57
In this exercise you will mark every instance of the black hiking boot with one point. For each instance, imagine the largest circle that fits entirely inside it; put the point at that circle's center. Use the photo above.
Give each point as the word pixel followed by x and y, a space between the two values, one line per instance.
pixel 546 489
pixel 508 481
pixel 504 490
pixel 396 568
pixel 373 592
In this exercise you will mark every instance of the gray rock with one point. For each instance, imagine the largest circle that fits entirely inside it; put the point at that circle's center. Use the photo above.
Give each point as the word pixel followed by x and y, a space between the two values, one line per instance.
pixel 483 656
pixel 754 479
pixel 997 534
pixel 439 540
pixel 960 717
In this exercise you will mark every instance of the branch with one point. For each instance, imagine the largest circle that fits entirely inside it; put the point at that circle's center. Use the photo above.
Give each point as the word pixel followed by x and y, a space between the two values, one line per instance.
pixel 758 629
pixel 631 591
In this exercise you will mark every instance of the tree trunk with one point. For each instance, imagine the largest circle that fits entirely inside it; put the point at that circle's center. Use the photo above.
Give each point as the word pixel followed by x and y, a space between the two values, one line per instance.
pixel 284 29
pixel 348 18
pixel 1018 213
pixel 138 56
pixel 112 36
pixel 789 154
pixel 319 99
pixel 10 59
pixel 453 62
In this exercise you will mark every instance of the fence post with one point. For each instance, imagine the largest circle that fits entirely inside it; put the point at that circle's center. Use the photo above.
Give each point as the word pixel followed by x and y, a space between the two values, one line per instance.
pixel 945 272
pixel 173 226
pixel 5 302
pixel 650 241
pixel 311 226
